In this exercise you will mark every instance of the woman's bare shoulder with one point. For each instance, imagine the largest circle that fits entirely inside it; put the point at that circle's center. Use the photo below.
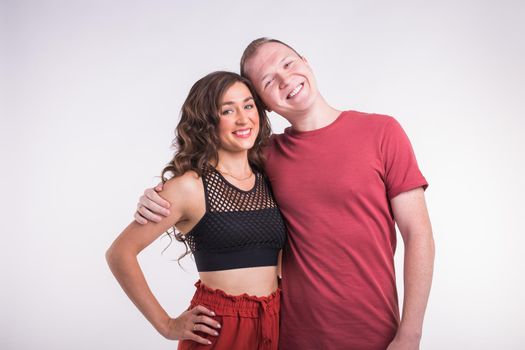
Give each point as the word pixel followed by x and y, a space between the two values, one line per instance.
pixel 188 185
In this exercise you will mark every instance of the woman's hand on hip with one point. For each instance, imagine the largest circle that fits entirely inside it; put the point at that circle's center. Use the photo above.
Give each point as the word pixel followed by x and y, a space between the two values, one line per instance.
pixel 189 322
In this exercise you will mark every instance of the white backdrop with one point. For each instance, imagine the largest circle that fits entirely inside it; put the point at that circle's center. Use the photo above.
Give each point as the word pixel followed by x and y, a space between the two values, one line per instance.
pixel 90 96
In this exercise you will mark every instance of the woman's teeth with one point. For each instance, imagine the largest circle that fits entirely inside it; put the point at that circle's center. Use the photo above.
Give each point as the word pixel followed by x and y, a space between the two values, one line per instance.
pixel 244 132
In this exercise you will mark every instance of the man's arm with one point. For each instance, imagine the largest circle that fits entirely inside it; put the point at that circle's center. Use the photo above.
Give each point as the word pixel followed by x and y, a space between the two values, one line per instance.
pixel 411 215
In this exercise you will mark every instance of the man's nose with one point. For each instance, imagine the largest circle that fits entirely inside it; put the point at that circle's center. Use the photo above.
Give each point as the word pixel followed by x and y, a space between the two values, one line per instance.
pixel 282 77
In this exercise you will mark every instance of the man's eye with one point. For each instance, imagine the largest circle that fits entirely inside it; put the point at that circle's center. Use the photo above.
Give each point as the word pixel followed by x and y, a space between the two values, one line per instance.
pixel 268 83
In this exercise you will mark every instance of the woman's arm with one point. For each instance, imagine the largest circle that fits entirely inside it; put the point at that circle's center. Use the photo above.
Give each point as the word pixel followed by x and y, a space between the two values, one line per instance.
pixel 184 194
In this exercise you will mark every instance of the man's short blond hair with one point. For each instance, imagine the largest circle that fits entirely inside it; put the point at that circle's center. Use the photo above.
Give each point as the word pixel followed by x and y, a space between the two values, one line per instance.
pixel 252 48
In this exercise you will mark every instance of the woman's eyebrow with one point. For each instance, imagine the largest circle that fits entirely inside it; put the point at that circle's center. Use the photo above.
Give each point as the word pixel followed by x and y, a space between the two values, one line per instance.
pixel 232 102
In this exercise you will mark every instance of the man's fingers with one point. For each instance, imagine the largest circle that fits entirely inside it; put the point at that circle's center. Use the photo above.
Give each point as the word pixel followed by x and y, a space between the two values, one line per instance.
pixel 144 212
pixel 154 196
pixel 151 205
pixel 140 219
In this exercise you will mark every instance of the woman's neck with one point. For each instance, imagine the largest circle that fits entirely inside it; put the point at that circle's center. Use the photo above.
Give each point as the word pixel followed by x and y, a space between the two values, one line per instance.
pixel 235 164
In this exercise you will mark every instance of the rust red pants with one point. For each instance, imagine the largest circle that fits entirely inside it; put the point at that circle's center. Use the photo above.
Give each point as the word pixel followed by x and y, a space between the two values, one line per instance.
pixel 247 322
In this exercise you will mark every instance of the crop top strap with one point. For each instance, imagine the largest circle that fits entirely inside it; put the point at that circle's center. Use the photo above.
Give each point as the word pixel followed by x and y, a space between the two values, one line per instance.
pixel 205 183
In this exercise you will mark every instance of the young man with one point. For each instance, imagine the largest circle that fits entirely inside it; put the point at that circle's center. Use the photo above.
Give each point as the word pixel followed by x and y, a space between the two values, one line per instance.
pixel 342 180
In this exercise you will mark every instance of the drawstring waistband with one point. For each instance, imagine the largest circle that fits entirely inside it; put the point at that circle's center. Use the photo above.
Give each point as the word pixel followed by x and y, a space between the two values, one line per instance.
pixel 243 305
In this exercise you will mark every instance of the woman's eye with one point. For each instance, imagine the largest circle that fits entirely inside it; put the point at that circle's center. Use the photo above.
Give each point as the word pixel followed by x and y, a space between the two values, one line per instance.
pixel 250 106
pixel 226 111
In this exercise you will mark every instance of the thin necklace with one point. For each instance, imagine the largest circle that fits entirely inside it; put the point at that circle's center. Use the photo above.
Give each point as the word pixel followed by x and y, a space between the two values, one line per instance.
pixel 235 177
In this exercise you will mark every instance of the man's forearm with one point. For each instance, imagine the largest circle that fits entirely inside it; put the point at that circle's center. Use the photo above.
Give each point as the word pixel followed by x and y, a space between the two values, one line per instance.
pixel 418 269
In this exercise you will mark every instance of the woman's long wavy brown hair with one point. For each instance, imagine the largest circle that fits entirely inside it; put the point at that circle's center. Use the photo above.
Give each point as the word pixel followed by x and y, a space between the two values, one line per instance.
pixel 196 143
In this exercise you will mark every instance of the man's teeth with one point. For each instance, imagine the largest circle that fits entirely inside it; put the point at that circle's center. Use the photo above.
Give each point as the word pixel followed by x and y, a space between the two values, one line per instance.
pixel 242 132
pixel 296 90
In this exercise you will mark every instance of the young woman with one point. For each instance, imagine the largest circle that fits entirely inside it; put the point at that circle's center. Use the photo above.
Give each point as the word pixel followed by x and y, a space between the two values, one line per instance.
pixel 223 207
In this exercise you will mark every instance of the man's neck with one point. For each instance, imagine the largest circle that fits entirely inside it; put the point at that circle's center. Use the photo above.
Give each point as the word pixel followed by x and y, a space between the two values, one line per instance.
pixel 321 114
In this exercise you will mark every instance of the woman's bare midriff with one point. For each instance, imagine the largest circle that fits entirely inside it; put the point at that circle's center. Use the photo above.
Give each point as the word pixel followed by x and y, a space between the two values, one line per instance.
pixel 257 281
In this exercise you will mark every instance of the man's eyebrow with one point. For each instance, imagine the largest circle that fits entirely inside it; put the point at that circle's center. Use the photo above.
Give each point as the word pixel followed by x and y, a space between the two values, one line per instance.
pixel 266 75
pixel 233 102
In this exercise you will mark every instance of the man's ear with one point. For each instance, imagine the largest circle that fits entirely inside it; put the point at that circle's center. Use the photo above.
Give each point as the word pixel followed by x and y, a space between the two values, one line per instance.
pixel 267 109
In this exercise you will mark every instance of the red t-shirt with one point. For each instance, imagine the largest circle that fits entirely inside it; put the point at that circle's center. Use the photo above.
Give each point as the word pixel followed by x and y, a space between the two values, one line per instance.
pixel 333 186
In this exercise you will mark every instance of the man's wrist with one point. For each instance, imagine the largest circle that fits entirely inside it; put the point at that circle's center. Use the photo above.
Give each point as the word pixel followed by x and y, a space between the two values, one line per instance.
pixel 409 333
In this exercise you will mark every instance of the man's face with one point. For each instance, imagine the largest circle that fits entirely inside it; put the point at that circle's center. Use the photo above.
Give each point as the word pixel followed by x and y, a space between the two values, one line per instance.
pixel 283 79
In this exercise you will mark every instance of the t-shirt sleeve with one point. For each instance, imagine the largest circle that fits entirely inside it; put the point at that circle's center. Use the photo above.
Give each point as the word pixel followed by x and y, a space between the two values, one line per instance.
pixel 401 172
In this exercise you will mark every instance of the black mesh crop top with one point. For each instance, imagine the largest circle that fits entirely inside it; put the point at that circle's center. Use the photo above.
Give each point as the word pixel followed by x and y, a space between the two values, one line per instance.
pixel 239 228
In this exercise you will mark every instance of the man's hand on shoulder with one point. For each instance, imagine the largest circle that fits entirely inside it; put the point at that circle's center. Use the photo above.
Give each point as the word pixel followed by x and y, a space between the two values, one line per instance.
pixel 181 193
pixel 151 206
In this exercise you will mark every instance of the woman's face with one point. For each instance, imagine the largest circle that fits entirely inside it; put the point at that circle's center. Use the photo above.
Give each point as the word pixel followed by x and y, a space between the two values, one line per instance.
pixel 238 119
